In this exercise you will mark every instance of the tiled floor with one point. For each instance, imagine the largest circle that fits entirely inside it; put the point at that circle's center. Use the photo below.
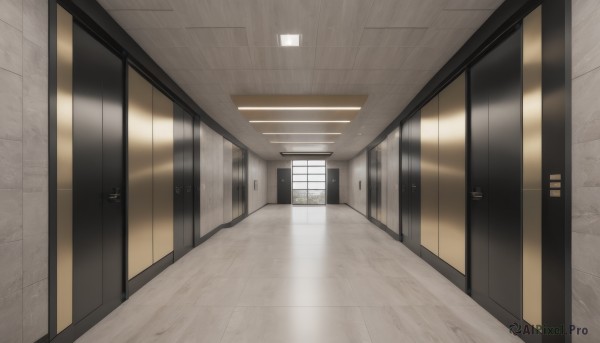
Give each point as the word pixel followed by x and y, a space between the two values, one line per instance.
pixel 300 274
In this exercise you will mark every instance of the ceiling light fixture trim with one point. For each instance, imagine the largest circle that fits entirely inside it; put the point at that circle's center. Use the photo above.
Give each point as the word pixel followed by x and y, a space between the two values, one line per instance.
pixel 299 108
pixel 302 133
pixel 299 121
pixel 277 142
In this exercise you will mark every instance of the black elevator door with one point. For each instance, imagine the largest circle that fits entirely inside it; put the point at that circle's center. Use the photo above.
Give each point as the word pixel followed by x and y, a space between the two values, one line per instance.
pixel 333 186
pixel 410 147
pixel 284 185
pixel 98 172
pixel 373 195
pixel 496 148
pixel 183 131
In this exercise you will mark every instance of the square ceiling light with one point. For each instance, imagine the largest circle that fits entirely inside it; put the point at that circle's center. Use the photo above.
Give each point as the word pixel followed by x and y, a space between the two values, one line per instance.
pixel 289 40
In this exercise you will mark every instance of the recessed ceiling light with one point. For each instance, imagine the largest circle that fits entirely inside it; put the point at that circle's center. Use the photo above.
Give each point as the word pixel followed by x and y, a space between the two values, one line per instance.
pixel 299 108
pixel 299 121
pixel 301 133
pixel 289 40
pixel 302 142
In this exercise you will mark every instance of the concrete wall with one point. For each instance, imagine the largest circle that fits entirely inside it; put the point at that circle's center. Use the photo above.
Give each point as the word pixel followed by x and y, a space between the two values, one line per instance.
pixel 272 178
pixel 343 167
pixel 23 170
pixel 357 171
pixel 257 170
pixel 211 179
pixel 586 168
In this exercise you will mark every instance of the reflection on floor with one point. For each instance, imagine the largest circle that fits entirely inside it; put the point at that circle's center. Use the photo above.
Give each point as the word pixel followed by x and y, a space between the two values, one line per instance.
pixel 300 274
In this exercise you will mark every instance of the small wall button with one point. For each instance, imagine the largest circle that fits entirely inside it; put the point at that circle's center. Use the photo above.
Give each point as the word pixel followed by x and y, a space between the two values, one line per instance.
pixel 556 185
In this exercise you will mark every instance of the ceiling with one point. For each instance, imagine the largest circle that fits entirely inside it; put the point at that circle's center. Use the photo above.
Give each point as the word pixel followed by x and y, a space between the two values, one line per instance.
pixel 384 49
pixel 300 123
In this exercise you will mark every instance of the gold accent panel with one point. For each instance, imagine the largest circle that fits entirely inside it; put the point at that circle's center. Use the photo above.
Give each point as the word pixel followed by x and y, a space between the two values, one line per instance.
pixel 162 198
pixel 140 174
pixel 64 259
pixel 532 167
pixel 429 176
pixel 452 174
pixel 64 169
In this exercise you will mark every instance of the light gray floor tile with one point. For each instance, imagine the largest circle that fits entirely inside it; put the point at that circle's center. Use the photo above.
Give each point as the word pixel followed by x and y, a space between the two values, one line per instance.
pixel 300 274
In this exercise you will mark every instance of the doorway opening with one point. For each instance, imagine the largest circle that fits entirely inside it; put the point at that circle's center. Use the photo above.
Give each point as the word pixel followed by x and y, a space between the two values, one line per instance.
pixel 308 182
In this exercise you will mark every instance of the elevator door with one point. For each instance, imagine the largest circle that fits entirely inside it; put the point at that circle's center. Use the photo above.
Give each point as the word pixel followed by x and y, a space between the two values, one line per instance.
pixel 184 182
pixel 284 185
pixel 411 200
pixel 373 193
pixel 238 204
pixel 496 146
pixel 98 174
pixel 333 186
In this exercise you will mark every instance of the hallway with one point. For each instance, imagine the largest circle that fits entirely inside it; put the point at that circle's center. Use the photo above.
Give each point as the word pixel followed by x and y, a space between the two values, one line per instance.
pixel 300 274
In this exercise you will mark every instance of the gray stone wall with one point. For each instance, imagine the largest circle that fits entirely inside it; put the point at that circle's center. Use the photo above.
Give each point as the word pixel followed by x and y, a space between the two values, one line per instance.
pixel 586 168
pixel 23 170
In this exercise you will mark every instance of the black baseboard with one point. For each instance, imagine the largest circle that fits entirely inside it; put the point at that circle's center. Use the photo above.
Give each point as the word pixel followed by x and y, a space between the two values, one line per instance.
pixel 362 214
pixel 258 209
pixel 208 235
pixel 43 339
pixel 385 228
pixel 445 269
pixel 222 226
pixel 234 222
pixel 150 273
pixel 71 333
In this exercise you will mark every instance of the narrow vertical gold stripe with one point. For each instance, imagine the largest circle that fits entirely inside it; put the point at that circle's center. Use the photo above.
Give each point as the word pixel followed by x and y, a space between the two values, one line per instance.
pixel 532 167
pixel 452 174
pixel 139 116
pixel 162 152
pixel 64 169
pixel 429 176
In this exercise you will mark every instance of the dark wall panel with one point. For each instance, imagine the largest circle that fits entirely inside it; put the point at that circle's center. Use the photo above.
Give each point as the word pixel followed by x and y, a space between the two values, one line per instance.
pixel 284 185
pixel 97 177
pixel 496 146
pixel 87 175
pixel 411 184
pixel 333 186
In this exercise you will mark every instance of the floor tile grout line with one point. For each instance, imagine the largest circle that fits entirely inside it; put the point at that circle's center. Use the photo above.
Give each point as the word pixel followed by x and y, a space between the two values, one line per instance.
pixel 228 323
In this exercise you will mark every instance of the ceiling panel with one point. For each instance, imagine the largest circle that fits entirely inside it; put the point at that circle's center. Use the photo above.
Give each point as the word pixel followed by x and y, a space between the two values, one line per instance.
pixel 158 5
pixel 394 36
pixel 335 57
pixel 212 13
pixel 226 58
pixel 146 19
pixel 161 38
pixel 381 57
pixel 283 57
pixel 404 13
pixel 461 19
pixel 384 49
pixel 283 76
pixel 473 4
pixel 271 18
pixel 217 36
pixel 341 22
